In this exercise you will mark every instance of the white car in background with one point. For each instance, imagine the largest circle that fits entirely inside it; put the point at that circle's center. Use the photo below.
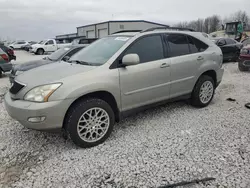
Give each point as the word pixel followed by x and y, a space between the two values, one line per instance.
pixel 49 45
pixel 18 44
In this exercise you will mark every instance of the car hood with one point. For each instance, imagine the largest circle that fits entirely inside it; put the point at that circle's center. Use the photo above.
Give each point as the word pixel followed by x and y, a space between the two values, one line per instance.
pixel 36 45
pixel 31 65
pixel 51 73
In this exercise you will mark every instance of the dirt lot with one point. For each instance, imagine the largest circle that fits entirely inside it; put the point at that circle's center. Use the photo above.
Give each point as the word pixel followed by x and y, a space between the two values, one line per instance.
pixel 168 144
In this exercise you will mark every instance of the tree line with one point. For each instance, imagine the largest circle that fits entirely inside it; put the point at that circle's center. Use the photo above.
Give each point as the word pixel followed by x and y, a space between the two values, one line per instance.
pixel 214 23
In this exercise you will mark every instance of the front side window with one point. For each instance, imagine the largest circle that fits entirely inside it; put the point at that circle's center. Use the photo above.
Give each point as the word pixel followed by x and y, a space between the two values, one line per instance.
pixel 100 51
pixel 230 41
pixel 147 48
pixel 178 45
pixel 57 54
pixel 49 42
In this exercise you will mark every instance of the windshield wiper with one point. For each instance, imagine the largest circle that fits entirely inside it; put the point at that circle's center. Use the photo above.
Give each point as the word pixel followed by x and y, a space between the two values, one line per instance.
pixel 79 62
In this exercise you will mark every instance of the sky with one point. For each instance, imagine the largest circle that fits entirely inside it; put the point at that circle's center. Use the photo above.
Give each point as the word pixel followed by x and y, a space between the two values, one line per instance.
pixel 40 19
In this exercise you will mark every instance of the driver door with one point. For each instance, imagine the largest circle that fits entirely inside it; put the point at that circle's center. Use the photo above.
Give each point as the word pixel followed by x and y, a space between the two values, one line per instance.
pixel 147 82
pixel 50 46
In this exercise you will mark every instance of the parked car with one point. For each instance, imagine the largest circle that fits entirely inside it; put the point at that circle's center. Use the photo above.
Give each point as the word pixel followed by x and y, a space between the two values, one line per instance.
pixel 49 45
pixel 246 41
pixel 10 52
pixel 230 48
pixel 27 47
pixel 61 54
pixel 18 44
pixel 244 59
pixel 113 77
pixel 83 41
pixel 5 64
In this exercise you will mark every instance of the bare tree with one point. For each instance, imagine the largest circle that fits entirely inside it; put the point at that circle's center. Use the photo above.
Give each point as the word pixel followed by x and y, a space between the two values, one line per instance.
pixel 206 25
pixel 214 22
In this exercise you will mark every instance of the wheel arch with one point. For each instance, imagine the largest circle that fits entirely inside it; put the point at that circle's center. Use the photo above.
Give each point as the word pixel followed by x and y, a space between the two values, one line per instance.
pixel 104 95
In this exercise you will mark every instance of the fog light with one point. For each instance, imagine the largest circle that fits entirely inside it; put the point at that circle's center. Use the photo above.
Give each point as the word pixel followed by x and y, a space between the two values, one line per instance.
pixel 36 119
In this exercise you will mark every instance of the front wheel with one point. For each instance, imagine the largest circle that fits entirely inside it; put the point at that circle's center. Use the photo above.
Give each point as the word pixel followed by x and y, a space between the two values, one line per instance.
pixel 89 122
pixel 40 52
pixel 203 91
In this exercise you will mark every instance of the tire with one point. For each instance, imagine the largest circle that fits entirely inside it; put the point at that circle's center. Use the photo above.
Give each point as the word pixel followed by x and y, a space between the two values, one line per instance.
pixel 40 52
pixel 196 99
pixel 241 67
pixel 1 73
pixel 79 111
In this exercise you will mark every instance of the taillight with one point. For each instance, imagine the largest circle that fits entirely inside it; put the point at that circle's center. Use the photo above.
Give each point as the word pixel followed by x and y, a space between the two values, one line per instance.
pixel 5 57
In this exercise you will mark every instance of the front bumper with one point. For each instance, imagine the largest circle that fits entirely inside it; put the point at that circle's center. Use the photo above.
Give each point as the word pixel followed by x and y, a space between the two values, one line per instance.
pixel 6 67
pixel 53 112
pixel 244 61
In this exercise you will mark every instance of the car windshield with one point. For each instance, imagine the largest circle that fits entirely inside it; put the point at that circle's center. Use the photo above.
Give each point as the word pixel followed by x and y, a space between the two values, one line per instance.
pixel 57 54
pixel 42 42
pixel 100 51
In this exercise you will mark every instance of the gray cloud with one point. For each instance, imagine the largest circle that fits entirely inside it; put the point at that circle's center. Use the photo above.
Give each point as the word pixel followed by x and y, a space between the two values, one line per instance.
pixel 38 19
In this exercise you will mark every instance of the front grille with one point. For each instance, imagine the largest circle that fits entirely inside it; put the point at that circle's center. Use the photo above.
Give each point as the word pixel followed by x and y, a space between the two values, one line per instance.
pixel 16 87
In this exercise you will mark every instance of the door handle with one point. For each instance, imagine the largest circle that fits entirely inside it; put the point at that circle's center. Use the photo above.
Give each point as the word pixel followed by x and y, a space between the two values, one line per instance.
pixel 200 58
pixel 164 65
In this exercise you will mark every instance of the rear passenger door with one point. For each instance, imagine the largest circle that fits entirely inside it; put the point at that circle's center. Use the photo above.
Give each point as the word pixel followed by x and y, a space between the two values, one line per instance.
pixel 147 82
pixel 185 52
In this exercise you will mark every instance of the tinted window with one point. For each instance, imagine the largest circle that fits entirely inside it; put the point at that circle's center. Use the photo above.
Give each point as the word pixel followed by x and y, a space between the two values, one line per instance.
pixel 83 41
pixel 57 54
pixel 222 42
pixel 230 41
pixel 72 52
pixel 196 45
pixel 20 42
pixel 148 48
pixel 178 45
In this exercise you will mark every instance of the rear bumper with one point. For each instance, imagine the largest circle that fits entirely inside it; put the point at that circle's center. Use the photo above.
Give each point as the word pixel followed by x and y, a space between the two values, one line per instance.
pixel 6 67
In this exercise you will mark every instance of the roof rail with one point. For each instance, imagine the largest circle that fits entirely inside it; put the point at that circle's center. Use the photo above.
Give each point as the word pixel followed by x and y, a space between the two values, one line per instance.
pixel 167 28
pixel 124 31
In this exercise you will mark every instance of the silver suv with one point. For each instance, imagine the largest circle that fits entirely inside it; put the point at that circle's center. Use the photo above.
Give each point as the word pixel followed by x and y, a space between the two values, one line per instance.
pixel 113 77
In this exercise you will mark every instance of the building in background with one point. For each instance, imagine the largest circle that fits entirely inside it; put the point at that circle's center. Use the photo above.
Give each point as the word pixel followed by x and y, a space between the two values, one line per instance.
pixel 66 38
pixel 103 29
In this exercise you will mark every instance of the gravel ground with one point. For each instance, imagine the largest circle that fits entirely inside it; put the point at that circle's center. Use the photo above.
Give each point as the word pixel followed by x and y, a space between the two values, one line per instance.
pixel 168 144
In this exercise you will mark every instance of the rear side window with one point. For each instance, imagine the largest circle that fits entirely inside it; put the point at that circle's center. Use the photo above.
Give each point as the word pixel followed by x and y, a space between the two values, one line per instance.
pixel 72 52
pixel 148 48
pixel 230 41
pixel 178 45
pixel 196 45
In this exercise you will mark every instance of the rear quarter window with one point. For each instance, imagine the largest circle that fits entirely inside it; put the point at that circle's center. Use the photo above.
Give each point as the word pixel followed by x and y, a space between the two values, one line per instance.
pixel 196 45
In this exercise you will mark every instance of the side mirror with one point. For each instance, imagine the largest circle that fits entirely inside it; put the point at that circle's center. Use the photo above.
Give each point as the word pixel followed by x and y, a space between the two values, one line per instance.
pixel 130 59
pixel 66 58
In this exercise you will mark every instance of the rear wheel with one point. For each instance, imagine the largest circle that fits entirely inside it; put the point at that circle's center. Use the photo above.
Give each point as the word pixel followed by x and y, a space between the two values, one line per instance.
pixel 203 91
pixel 40 51
pixel 89 122
pixel 1 73
pixel 242 67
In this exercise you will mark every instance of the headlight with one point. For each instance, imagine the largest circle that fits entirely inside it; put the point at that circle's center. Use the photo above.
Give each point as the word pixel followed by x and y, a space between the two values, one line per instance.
pixel 18 73
pixel 41 93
